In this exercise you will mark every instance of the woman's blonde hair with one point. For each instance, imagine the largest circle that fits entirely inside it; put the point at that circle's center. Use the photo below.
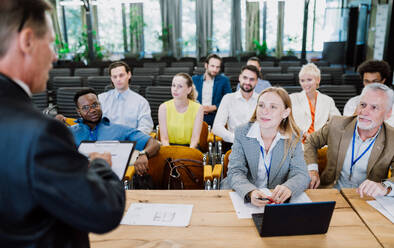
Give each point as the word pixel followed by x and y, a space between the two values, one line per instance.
pixel 310 69
pixel 189 82
pixel 288 125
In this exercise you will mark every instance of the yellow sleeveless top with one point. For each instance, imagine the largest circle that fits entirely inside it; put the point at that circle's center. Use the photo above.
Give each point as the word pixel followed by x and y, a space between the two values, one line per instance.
pixel 180 125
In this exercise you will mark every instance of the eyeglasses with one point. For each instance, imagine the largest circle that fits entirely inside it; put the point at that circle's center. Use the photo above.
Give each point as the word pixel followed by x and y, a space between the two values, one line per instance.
pixel 87 108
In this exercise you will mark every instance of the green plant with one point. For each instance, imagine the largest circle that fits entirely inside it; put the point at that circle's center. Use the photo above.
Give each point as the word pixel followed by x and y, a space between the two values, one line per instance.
pixel 261 49
pixel 81 50
pixel 62 48
pixel 164 36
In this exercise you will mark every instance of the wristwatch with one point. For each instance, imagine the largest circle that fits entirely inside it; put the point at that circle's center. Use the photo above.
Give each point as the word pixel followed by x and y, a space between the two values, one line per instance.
pixel 388 188
pixel 143 152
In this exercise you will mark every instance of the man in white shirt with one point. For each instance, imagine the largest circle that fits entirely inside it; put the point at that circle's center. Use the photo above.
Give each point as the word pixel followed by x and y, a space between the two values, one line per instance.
pixel 237 108
pixel 372 71
pixel 122 105
pixel 360 148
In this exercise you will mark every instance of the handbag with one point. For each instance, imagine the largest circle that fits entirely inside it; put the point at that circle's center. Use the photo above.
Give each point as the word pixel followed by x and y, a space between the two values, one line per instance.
pixel 183 174
pixel 143 182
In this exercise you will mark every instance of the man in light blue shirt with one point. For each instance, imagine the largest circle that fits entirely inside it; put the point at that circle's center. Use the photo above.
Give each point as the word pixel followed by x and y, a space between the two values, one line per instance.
pixel 94 127
pixel 261 84
pixel 122 105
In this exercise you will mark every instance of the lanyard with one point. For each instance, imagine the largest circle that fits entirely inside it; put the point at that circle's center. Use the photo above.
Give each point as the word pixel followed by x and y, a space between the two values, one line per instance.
pixel 354 161
pixel 267 168
pixel 93 134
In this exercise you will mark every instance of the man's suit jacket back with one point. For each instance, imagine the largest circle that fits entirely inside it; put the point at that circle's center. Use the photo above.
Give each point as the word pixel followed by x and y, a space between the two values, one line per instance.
pixel 49 196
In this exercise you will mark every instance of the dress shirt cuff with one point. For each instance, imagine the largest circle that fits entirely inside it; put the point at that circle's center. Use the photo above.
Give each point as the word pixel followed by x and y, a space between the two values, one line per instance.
pixel 313 167
pixel 389 183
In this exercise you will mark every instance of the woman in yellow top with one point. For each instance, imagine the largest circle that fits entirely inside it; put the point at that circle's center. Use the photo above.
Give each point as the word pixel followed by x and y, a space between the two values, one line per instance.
pixel 180 119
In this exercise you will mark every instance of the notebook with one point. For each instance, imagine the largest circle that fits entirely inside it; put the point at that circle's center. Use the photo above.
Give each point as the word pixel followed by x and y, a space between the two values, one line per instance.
pixel 294 218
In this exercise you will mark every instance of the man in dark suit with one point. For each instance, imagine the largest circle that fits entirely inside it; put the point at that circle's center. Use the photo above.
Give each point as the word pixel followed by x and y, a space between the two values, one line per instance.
pixel 211 87
pixel 50 195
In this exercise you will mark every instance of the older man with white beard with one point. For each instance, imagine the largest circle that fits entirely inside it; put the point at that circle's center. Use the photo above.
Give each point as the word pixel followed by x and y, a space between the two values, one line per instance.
pixel 360 148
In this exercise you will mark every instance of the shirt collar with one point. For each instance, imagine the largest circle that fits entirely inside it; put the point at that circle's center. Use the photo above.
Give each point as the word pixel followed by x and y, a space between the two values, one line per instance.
pixel 23 86
pixel 238 95
pixel 254 132
pixel 121 94
pixel 369 139
pixel 104 121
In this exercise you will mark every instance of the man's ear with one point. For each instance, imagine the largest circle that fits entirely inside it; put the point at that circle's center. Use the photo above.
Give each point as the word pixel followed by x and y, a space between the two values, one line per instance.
pixel 26 39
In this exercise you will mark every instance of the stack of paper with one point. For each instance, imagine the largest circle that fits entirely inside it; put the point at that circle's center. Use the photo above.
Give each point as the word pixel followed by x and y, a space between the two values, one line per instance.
pixel 385 205
pixel 245 210
pixel 152 214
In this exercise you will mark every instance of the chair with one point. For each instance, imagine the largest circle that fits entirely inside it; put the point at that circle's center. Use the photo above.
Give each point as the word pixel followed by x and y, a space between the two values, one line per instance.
pixel 174 70
pixel 199 70
pixel 158 169
pixel 57 72
pixel 188 59
pixel 234 64
pixel 232 71
pixel 98 83
pixel 59 82
pixel 292 88
pixel 155 64
pixel 280 79
pixel 164 80
pixel 143 82
pixel 267 64
pixel 40 100
pixel 220 170
pixel 340 93
pixel 146 71
pixel 322 159
pixel 325 79
pixel 188 64
pixel 84 73
pixel 285 64
pixel 65 101
pixel 353 79
pixel 266 70
pixel 234 80
pixel 336 73
pixel 156 95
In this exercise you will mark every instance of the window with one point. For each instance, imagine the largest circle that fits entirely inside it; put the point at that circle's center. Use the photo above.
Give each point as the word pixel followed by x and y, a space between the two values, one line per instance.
pixel 293 25
pixel 316 33
pixel 189 27
pixel 73 21
pixel 272 23
pixel 152 19
pixel 221 26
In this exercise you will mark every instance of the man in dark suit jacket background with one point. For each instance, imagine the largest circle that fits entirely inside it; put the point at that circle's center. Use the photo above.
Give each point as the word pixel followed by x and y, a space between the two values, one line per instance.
pixel 50 195
pixel 211 87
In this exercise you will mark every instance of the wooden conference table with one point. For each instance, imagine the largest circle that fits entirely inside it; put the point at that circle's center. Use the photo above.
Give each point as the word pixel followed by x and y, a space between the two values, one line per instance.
pixel 379 225
pixel 214 223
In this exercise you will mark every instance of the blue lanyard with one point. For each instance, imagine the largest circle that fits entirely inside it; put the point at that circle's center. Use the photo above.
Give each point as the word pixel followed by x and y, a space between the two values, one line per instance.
pixel 93 136
pixel 267 168
pixel 354 161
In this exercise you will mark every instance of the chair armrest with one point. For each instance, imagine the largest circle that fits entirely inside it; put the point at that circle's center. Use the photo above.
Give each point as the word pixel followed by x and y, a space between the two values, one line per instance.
pixel 207 173
pixel 129 173
pixel 217 171
pixel 153 135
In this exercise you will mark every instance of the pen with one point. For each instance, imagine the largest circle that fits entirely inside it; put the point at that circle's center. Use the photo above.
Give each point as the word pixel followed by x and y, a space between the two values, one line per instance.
pixel 265 199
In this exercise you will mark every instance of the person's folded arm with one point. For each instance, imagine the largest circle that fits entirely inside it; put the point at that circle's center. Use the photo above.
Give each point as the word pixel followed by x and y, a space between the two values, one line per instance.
pixel 87 196
pixel 220 122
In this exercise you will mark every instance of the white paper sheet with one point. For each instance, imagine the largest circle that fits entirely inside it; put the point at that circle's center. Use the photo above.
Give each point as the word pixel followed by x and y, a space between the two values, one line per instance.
pixel 120 153
pixel 153 214
pixel 245 210
pixel 387 202
pixel 381 209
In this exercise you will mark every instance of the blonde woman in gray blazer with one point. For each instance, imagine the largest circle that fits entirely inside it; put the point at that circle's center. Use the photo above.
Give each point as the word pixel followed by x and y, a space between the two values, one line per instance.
pixel 267 152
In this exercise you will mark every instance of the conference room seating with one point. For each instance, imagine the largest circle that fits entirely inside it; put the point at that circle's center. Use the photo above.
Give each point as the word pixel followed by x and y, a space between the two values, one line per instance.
pixel 340 93
pixel 145 71
pixel 267 63
pixel 188 59
pixel 234 80
pixel 65 101
pixel 285 64
pixel 326 79
pixel 57 72
pixel 164 80
pixel 234 64
pixel 143 82
pixel 40 100
pixel 174 70
pixel 156 95
pixel 59 82
pixel 155 64
pixel 292 88
pixel 267 69
pixel 189 64
pixel 232 71
pixel 199 70
pixel 336 73
pixel 353 79
pixel 280 79
pixel 84 73
pixel 98 83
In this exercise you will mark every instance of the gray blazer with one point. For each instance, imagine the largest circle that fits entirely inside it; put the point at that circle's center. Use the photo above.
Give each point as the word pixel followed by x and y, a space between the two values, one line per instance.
pixel 244 162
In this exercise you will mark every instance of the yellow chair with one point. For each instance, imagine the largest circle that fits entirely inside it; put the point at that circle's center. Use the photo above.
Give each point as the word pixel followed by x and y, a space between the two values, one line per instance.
pixel 158 168
pixel 322 159
pixel 70 121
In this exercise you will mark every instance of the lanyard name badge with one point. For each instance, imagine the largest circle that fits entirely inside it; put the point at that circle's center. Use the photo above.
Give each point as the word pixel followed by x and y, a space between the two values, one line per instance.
pixel 267 168
pixel 354 161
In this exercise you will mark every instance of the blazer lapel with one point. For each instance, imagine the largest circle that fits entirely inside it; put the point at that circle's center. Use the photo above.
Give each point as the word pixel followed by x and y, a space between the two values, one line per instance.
pixel 377 150
pixel 214 91
pixel 254 156
pixel 344 141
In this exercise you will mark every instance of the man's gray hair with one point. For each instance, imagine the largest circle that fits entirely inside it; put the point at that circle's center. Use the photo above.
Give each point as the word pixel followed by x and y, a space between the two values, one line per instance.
pixel 382 87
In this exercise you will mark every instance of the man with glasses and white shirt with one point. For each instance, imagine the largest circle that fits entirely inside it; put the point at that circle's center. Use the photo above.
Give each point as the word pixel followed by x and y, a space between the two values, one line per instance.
pixel 372 71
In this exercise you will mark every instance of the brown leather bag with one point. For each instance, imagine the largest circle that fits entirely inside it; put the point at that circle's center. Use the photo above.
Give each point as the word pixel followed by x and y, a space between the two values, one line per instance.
pixel 183 174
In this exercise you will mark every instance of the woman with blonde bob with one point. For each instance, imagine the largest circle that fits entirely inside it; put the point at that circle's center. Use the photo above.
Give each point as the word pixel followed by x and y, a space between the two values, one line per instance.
pixel 311 109
pixel 267 152
pixel 180 119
